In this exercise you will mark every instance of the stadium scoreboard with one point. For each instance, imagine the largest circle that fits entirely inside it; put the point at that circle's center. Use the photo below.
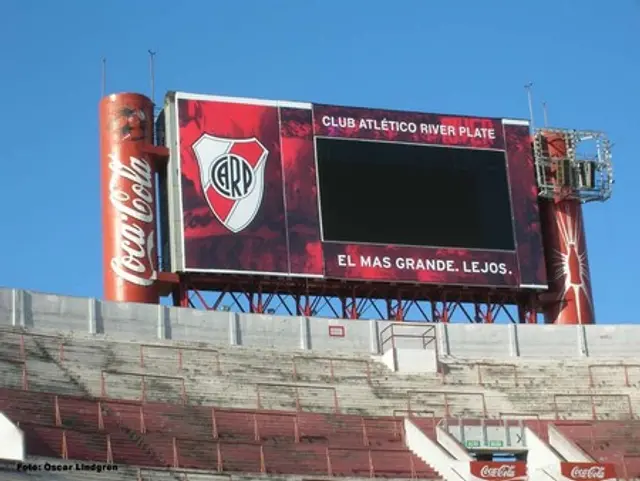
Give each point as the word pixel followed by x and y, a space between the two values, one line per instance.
pixel 309 190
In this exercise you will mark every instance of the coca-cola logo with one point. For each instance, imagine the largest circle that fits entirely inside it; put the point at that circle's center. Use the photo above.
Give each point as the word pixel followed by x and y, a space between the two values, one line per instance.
pixel 593 472
pixel 506 471
pixel 133 261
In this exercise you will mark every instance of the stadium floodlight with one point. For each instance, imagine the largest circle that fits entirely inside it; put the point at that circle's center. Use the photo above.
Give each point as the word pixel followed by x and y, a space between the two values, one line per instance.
pixel 582 170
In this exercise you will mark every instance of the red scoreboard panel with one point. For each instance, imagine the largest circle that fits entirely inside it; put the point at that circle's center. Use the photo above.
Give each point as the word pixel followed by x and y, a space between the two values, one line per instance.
pixel 300 189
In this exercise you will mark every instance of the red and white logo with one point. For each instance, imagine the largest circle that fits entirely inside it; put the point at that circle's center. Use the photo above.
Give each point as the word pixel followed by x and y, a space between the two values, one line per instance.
pixel 506 471
pixel 588 471
pixel 232 178
pixel 131 194
pixel 498 471
pixel 594 472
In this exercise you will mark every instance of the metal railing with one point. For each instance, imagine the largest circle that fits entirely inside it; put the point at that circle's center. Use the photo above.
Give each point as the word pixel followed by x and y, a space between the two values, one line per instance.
pixel 592 398
pixel 478 367
pixel 180 350
pixel 446 395
pixel 388 334
pixel 296 389
pixel 624 366
pixel 296 359
pixel 143 382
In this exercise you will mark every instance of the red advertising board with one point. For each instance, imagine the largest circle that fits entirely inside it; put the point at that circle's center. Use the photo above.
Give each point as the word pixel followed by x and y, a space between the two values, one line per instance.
pixel 262 189
pixel 494 471
pixel 588 471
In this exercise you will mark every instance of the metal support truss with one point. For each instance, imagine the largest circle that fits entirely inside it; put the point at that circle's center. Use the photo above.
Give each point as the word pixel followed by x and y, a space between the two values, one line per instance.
pixel 584 173
pixel 359 301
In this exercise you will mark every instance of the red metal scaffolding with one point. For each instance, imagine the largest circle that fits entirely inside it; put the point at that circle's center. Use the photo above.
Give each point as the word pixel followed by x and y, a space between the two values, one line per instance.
pixel 350 300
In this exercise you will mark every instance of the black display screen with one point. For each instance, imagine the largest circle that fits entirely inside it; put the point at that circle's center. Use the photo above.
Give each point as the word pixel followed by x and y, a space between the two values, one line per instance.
pixel 407 194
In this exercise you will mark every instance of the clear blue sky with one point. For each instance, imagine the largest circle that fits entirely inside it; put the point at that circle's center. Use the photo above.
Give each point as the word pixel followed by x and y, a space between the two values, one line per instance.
pixel 465 56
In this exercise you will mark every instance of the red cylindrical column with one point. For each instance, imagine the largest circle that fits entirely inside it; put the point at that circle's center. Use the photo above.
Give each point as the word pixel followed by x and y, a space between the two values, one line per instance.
pixel 570 299
pixel 128 194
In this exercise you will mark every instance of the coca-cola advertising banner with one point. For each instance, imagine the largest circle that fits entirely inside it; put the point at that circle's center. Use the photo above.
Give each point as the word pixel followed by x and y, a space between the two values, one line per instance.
pixel 588 471
pixel 493 471
pixel 128 194
pixel 252 198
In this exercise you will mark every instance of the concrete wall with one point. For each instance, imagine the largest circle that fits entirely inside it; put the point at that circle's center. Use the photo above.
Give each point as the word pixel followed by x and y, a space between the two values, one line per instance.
pixel 145 322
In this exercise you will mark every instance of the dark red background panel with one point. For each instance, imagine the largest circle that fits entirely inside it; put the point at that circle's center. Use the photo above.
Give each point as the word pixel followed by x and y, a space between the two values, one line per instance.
pixel 301 191
pixel 394 126
pixel 524 203
pixel 262 246
pixel 397 263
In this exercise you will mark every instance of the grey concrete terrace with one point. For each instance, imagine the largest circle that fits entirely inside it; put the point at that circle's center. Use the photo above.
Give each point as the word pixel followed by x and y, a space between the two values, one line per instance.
pixel 124 351
pixel 140 322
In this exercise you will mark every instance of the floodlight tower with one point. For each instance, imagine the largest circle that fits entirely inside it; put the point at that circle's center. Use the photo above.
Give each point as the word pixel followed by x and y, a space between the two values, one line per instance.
pixel 573 167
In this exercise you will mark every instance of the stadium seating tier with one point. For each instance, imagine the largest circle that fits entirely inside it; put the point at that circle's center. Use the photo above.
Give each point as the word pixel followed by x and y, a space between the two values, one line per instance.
pixel 222 409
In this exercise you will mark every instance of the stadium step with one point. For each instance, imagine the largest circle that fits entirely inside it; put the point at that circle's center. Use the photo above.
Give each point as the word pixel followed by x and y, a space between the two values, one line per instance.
pixel 195 376
pixel 226 376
